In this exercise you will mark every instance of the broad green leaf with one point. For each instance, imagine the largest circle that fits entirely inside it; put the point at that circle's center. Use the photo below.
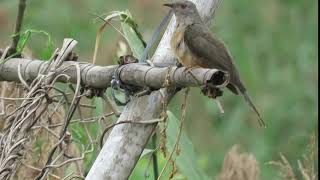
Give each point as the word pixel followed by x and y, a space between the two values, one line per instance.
pixel 134 42
pixel 186 161
pixel 130 31
pixel 132 35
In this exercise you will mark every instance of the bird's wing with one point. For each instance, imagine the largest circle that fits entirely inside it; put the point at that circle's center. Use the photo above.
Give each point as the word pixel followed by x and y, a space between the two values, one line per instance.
pixel 212 53
pixel 209 50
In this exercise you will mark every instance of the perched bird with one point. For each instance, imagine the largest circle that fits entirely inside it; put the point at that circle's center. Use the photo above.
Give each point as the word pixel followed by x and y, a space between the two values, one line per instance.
pixel 195 46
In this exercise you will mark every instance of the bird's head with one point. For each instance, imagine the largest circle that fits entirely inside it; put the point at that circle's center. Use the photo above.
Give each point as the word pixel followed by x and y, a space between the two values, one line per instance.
pixel 183 9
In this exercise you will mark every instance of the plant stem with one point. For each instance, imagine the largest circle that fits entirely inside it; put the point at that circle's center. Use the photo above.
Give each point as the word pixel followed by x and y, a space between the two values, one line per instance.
pixel 154 157
pixel 19 21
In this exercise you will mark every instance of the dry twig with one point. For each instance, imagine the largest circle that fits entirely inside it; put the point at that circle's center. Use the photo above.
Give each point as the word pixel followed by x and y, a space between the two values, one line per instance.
pixel 175 146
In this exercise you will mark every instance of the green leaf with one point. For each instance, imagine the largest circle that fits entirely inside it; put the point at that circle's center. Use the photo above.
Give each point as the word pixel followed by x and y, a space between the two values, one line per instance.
pixel 187 159
pixel 132 35
pixel 26 35
pixel 133 40
pixel 130 31
pixel 98 103
pixel 147 152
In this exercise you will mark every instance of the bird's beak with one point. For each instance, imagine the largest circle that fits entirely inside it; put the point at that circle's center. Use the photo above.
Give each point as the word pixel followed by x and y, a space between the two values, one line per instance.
pixel 168 5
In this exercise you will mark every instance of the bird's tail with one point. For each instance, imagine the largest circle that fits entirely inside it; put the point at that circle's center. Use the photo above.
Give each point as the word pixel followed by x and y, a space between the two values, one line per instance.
pixel 250 103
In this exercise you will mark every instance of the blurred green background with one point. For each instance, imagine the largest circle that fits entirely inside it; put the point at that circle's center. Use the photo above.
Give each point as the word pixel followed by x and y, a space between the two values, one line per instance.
pixel 274 45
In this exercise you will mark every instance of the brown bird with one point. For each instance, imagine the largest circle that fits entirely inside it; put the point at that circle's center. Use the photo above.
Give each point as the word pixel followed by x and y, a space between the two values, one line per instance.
pixel 195 46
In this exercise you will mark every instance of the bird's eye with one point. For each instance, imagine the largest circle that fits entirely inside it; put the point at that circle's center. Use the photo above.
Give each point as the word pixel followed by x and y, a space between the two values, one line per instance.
pixel 183 6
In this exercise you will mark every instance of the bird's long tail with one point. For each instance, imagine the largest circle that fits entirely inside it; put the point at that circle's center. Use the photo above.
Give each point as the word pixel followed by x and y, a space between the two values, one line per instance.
pixel 250 103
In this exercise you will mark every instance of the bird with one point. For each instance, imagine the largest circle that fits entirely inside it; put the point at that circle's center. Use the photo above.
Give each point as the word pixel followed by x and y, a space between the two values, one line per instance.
pixel 195 45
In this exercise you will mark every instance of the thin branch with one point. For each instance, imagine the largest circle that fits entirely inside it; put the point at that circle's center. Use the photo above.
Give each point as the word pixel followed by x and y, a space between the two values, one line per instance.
pixel 19 21
pixel 154 157
pixel 183 115
pixel 37 169
pixel 87 120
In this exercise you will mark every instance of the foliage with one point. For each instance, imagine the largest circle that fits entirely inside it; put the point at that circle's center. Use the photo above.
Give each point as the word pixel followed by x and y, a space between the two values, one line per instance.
pixel 25 36
pixel 274 47
pixel 186 159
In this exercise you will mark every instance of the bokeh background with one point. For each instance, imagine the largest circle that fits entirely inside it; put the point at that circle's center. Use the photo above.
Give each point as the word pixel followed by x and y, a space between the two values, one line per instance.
pixel 274 45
